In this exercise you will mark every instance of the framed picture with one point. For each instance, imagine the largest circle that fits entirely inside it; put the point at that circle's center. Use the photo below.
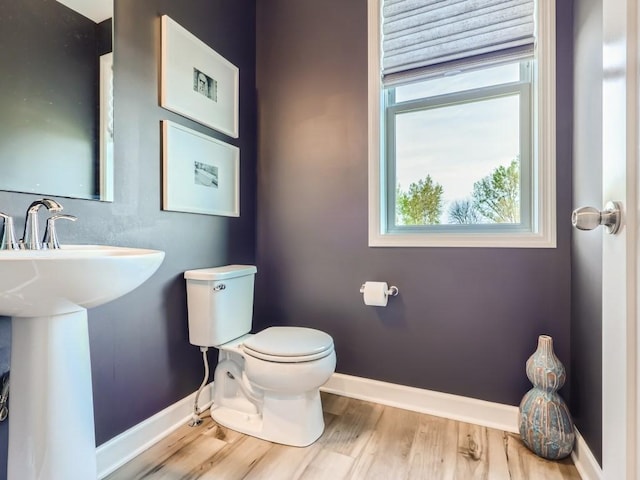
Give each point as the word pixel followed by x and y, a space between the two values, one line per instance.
pixel 200 174
pixel 197 82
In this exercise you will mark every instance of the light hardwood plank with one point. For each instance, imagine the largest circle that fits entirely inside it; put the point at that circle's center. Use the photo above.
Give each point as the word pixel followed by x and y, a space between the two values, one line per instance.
pixel 472 444
pixel 334 404
pixel 497 455
pixel 481 453
pixel 282 462
pixel 385 455
pixel 232 462
pixel 289 462
pixel 179 447
pixel 356 426
pixel 328 465
pixel 434 449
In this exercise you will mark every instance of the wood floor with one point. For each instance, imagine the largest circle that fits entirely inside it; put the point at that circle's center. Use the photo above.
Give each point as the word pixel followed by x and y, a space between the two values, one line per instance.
pixel 362 440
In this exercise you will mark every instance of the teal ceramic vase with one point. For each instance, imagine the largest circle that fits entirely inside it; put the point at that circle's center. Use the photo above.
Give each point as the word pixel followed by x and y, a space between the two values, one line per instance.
pixel 546 426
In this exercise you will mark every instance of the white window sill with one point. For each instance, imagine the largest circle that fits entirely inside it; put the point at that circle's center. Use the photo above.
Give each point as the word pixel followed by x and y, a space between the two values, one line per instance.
pixel 488 240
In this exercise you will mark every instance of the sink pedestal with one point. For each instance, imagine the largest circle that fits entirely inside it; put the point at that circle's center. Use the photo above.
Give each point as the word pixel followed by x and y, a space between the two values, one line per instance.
pixel 51 429
pixel 46 294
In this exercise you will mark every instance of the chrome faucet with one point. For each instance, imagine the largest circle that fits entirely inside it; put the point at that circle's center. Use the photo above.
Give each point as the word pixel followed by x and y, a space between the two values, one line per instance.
pixel 31 237
pixel 8 241
pixel 50 239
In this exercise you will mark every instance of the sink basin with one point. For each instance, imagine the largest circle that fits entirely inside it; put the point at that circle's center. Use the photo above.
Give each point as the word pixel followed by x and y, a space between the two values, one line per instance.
pixel 46 293
pixel 34 283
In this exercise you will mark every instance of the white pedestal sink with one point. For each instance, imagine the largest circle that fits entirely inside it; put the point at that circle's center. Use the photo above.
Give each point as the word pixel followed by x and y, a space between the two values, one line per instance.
pixel 47 292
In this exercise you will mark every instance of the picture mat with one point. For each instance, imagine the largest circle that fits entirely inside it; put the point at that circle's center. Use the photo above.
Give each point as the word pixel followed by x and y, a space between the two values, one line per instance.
pixel 182 148
pixel 182 52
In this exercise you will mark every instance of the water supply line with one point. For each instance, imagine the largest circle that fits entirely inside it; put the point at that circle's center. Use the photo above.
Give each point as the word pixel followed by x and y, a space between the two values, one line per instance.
pixel 195 417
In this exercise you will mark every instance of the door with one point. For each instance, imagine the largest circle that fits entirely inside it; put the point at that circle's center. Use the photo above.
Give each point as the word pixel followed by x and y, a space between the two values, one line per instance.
pixel 619 251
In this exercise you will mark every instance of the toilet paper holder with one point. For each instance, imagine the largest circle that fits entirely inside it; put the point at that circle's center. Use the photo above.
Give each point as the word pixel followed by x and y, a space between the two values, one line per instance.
pixel 392 292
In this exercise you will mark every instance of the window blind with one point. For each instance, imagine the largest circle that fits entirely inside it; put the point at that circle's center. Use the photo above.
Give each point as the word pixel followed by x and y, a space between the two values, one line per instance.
pixel 426 37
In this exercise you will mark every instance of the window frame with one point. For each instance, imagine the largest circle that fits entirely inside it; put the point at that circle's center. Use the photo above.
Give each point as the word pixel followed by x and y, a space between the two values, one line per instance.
pixel 542 233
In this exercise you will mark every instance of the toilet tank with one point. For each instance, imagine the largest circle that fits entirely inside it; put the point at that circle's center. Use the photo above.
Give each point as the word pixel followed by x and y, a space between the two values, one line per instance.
pixel 219 303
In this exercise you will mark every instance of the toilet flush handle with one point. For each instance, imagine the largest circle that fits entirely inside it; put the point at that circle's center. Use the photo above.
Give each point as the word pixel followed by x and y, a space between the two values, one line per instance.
pixel 219 287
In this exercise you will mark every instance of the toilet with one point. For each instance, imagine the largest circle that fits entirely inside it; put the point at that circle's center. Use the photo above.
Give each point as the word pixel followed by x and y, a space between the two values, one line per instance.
pixel 266 384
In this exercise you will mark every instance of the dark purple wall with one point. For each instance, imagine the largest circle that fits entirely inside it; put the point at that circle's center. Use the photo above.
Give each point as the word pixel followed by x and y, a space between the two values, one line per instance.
pixel 466 319
pixel 586 247
pixel 141 358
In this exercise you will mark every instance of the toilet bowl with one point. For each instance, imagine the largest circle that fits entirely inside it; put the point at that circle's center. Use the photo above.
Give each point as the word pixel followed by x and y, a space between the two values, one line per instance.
pixel 278 397
pixel 265 384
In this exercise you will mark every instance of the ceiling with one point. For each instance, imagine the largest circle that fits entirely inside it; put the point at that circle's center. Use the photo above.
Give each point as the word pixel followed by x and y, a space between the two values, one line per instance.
pixel 96 10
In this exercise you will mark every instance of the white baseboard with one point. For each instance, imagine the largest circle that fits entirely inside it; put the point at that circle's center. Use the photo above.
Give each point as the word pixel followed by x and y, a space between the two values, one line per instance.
pixel 455 407
pixel 587 465
pixel 119 450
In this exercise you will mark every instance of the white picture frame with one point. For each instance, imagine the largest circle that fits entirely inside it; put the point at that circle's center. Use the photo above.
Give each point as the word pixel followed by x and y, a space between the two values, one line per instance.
pixel 200 174
pixel 196 81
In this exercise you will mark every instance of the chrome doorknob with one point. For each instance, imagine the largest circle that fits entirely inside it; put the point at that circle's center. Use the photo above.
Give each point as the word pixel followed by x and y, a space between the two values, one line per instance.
pixel 588 218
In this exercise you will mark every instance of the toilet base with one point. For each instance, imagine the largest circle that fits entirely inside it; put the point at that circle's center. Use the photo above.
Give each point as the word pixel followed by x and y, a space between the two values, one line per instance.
pixel 296 421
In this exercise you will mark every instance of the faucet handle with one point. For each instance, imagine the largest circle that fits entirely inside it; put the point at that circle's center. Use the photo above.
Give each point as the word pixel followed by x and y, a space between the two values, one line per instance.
pixel 8 241
pixel 50 239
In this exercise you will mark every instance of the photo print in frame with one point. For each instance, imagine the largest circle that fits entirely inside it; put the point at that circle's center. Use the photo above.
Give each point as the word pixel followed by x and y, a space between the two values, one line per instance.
pixel 196 81
pixel 200 174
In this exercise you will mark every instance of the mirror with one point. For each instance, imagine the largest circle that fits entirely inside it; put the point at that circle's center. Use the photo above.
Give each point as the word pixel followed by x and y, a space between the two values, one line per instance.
pixel 56 98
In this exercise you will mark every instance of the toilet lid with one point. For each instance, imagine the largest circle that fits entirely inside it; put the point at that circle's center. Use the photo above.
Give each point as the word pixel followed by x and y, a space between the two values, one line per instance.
pixel 289 344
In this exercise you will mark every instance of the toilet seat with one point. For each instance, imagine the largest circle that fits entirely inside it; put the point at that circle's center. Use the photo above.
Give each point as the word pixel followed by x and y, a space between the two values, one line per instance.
pixel 289 344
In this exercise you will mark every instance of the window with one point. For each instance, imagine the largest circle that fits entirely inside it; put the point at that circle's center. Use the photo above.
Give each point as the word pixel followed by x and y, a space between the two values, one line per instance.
pixel 461 150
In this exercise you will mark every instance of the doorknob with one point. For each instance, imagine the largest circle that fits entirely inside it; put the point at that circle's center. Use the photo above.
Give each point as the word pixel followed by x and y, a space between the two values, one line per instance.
pixel 588 218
